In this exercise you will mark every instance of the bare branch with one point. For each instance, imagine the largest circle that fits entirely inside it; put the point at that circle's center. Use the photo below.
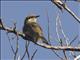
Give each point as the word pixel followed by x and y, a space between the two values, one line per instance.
pixel 33 54
pixel 72 13
pixel 16 42
pixel 60 30
pixel 59 27
pixel 58 3
pixel 48 26
pixel 49 36
pixel 67 48
pixel 72 53
pixel 10 44
pixel 23 55
pixel 16 50
pixel 73 40
pixel 26 51
pixel 61 5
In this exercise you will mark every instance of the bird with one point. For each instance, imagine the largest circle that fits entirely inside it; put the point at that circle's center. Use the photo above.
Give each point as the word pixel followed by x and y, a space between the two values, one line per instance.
pixel 32 29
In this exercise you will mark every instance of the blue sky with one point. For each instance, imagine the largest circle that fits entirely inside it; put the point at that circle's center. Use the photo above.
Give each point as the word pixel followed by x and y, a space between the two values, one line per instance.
pixel 17 11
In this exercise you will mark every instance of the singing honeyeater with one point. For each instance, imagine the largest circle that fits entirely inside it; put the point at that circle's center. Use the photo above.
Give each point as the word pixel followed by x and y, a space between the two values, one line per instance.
pixel 32 29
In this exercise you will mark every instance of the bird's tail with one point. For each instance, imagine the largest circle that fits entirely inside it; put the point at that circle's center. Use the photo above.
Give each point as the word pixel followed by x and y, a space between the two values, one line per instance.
pixel 44 40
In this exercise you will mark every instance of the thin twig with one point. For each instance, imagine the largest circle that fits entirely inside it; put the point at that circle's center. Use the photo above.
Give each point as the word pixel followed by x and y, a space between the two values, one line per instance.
pixel 62 5
pixel 72 13
pixel 49 35
pixel 26 50
pixel 16 50
pixel 48 26
pixel 66 39
pixel 64 52
pixel 72 53
pixel 16 41
pixel 58 23
pixel 33 54
pixel 23 55
pixel 61 30
pixel 10 44
pixel 57 54
pixel 73 40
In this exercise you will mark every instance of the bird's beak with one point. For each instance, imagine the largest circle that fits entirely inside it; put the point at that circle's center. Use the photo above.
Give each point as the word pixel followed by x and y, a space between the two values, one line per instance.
pixel 37 16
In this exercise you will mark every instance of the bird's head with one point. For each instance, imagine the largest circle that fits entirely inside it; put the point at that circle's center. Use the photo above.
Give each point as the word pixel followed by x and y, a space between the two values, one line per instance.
pixel 30 19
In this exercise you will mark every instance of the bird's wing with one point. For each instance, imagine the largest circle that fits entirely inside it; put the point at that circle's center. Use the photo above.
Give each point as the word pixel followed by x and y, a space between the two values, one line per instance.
pixel 36 31
pixel 28 31
pixel 36 28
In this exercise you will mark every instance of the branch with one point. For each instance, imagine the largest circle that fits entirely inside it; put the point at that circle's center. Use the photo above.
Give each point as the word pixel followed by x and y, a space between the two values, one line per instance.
pixel 67 48
pixel 26 51
pixel 77 58
pixel 48 23
pixel 49 35
pixel 59 27
pixel 33 54
pixel 61 6
pixel 16 50
pixel 73 40
pixel 59 30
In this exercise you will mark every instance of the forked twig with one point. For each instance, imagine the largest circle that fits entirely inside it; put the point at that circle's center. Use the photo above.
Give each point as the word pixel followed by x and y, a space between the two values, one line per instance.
pixel 10 44
pixel 33 54
pixel 16 41
pixel 49 36
pixel 62 5
pixel 16 50
pixel 58 24
pixel 73 40
pixel 26 51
